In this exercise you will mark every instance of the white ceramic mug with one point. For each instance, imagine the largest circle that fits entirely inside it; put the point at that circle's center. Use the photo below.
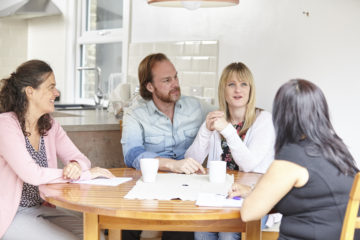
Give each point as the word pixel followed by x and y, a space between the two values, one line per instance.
pixel 217 171
pixel 149 168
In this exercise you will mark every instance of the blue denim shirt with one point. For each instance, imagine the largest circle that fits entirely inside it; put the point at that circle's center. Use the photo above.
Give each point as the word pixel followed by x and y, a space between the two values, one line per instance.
pixel 149 133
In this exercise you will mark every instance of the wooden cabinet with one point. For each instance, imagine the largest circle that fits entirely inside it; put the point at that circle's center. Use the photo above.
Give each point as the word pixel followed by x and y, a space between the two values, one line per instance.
pixel 96 133
pixel 103 148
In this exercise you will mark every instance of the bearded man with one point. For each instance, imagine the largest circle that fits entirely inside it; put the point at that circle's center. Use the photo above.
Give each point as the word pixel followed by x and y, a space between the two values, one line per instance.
pixel 163 124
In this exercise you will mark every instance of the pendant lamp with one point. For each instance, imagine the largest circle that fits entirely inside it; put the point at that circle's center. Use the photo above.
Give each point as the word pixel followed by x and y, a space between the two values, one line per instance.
pixel 192 5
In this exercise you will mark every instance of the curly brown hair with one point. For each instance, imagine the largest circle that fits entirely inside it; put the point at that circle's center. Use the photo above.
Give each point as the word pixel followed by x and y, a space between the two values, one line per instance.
pixel 145 72
pixel 13 97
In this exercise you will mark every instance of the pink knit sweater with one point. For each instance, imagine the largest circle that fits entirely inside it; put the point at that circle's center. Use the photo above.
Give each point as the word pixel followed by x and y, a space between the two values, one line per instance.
pixel 17 166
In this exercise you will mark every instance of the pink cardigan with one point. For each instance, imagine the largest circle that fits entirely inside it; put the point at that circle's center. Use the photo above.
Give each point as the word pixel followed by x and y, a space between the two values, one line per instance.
pixel 17 166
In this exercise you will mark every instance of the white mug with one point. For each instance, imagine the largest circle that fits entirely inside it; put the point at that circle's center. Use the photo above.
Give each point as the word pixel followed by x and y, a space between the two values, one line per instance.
pixel 149 168
pixel 217 171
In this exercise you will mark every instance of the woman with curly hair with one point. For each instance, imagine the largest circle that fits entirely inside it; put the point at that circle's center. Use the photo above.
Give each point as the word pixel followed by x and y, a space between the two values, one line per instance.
pixel 31 141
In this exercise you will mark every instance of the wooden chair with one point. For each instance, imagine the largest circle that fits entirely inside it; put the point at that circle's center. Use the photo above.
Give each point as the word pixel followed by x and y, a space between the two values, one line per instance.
pixel 352 220
pixel 265 235
pixel 270 235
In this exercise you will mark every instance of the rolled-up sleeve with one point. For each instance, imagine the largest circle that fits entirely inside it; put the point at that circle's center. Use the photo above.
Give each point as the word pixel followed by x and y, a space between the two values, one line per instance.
pixel 133 156
pixel 133 142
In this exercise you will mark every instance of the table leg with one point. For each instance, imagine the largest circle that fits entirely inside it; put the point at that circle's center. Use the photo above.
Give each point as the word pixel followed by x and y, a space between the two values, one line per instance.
pixel 91 226
pixel 253 230
pixel 114 234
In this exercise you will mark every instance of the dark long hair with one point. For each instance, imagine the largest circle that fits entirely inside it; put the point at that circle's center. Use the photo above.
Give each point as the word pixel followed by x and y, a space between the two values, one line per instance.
pixel 13 97
pixel 300 111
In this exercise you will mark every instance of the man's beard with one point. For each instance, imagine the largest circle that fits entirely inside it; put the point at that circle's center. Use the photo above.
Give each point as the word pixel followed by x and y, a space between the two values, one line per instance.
pixel 169 98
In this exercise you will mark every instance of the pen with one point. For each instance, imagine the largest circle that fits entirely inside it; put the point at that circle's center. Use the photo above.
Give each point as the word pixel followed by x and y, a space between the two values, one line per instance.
pixel 237 198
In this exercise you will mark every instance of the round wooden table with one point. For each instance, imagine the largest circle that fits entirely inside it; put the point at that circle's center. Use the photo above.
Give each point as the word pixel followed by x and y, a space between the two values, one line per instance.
pixel 105 208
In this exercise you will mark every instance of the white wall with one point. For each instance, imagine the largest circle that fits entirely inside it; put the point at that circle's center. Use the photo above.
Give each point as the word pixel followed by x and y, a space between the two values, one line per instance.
pixel 13 45
pixel 48 40
pixel 45 38
pixel 278 42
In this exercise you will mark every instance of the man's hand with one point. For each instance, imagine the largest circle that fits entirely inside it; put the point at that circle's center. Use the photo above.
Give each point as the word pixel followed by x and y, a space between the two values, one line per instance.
pixel 212 117
pixel 72 171
pixel 187 166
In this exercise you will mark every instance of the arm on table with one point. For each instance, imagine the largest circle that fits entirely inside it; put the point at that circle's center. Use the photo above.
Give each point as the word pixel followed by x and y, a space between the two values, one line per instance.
pixel 133 148
pixel 187 165
pixel 280 178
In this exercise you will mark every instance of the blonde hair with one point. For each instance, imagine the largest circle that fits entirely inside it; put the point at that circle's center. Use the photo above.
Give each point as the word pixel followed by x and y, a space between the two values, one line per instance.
pixel 243 73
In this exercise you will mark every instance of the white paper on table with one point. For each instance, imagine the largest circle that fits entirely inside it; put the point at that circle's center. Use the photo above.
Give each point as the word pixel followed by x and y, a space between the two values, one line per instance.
pixel 105 181
pixel 183 186
pixel 217 200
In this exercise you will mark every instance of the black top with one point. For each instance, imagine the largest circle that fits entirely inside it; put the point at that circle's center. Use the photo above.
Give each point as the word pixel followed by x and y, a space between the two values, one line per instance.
pixel 30 195
pixel 316 210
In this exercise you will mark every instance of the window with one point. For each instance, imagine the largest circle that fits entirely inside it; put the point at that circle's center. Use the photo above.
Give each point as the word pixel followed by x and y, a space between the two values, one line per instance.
pixel 102 46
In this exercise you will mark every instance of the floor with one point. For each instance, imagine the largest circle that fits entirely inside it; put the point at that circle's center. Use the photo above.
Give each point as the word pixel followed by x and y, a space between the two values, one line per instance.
pixel 151 235
pixel 266 235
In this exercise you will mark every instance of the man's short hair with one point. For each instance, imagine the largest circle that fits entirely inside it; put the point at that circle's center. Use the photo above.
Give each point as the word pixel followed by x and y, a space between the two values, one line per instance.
pixel 145 72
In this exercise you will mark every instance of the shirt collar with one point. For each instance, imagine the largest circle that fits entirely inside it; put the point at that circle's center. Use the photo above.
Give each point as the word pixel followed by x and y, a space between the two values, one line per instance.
pixel 153 109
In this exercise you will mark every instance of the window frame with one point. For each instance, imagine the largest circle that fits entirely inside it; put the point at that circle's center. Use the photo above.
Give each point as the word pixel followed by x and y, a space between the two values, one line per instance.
pixel 103 36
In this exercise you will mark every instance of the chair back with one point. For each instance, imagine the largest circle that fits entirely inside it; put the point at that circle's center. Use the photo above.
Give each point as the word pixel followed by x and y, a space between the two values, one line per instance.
pixel 351 220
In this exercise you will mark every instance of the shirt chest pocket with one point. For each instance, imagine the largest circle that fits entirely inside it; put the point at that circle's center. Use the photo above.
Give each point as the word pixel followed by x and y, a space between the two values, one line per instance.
pixel 155 144
pixel 190 135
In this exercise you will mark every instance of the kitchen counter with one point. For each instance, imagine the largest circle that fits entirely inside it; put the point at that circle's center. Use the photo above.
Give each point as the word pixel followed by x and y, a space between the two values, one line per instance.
pixel 87 120
pixel 97 134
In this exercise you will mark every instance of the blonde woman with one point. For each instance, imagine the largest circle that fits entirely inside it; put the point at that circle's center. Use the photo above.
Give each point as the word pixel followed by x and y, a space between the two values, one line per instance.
pixel 238 133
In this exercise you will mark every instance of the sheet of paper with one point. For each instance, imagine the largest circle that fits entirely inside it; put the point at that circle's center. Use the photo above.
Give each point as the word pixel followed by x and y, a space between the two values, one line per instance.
pixel 105 181
pixel 184 186
pixel 217 200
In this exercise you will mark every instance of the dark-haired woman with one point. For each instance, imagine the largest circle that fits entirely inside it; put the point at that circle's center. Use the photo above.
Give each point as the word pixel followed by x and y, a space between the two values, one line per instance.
pixel 310 181
pixel 30 143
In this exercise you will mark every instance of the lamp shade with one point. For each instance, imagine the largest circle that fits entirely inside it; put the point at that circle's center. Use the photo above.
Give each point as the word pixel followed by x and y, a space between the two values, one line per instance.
pixel 193 4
